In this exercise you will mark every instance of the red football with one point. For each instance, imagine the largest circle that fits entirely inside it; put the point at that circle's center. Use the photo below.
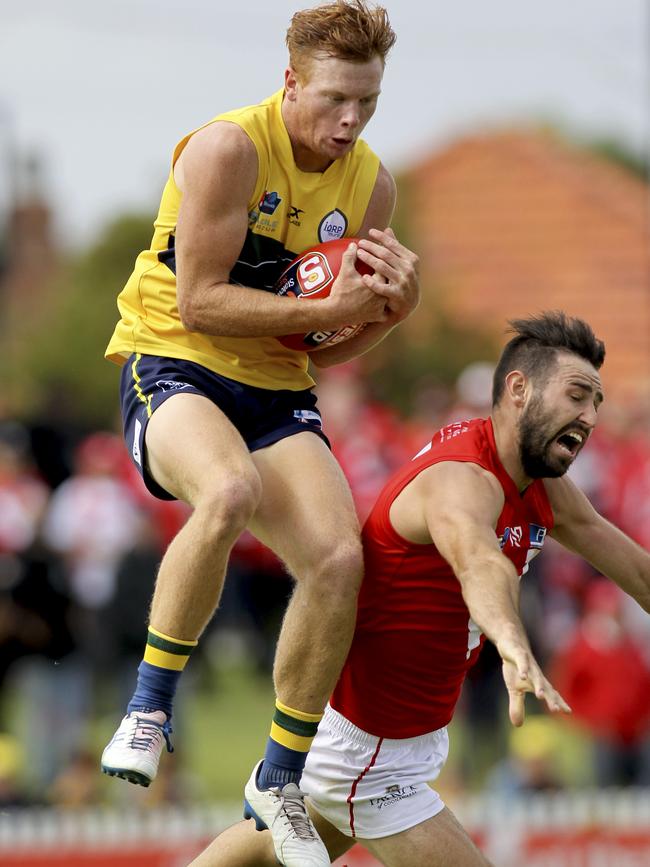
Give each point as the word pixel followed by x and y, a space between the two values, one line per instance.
pixel 311 275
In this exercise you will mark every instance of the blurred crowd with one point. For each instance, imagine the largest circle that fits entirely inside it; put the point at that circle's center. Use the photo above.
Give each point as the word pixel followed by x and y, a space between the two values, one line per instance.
pixel 80 541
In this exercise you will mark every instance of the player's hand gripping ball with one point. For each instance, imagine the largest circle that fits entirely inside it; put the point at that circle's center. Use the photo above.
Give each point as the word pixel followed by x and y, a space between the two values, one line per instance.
pixel 311 275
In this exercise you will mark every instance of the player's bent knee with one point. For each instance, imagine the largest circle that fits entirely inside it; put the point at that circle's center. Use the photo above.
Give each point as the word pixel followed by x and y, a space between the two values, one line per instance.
pixel 227 506
pixel 338 571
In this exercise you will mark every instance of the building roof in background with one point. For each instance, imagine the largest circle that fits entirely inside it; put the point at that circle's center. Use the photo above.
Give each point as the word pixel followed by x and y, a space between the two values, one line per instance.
pixel 511 222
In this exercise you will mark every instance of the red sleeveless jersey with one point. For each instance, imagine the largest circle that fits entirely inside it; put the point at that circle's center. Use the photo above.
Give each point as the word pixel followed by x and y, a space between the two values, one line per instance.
pixel 414 639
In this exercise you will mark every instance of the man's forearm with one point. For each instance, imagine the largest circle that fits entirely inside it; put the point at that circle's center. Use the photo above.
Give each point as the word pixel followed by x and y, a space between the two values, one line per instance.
pixel 491 593
pixel 226 310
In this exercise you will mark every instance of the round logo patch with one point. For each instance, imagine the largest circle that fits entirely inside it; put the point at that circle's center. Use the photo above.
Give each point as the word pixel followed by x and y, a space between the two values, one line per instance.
pixel 333 226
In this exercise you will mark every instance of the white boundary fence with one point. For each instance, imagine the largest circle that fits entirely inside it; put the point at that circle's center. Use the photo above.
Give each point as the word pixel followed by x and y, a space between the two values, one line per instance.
pixel 609 828
pixel 45 828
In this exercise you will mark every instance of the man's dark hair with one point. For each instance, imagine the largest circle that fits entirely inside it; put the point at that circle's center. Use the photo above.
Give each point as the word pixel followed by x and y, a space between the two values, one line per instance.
pixel 535 347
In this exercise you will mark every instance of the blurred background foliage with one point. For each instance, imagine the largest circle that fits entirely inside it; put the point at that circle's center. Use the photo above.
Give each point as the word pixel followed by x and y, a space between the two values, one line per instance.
pixel 54 347
pixel 60 349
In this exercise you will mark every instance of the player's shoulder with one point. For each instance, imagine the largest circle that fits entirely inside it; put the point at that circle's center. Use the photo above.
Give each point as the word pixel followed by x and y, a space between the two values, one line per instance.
pixel 568 503
pixel 222 138
pixel 453 470
pixel 384 193
pixel 461 482
pixel 385 183
pixel 214 151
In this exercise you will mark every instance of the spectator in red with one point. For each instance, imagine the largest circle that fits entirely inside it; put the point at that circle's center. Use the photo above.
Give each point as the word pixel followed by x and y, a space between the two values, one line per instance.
pixel 627 487
pixel 368 439
pixel 604 676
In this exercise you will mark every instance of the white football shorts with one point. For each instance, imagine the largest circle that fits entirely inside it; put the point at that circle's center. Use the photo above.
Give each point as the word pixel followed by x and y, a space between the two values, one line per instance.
pixel 370 787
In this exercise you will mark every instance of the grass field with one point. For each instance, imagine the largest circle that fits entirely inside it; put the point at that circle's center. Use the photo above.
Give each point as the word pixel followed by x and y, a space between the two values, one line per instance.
pixel 221 724
pixel 227 725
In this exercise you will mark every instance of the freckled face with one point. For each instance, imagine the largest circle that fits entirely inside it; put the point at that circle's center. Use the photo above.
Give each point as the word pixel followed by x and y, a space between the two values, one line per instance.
pixel 327 107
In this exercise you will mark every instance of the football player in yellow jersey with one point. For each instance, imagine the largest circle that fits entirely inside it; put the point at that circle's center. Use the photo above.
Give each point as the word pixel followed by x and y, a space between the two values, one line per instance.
pixel 218 413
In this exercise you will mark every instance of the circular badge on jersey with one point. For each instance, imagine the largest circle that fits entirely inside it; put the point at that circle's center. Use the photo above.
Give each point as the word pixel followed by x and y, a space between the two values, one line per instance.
pixel 333 226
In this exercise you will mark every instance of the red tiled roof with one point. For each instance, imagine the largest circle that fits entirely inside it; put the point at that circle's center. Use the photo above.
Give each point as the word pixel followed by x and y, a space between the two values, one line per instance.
pixel 511 223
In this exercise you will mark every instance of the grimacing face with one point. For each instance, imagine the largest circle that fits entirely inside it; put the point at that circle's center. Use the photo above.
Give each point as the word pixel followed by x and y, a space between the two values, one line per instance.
pixel 559 417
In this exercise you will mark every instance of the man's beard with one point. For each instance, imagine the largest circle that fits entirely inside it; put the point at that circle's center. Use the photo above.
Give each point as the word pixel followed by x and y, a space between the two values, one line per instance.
pixel 536 437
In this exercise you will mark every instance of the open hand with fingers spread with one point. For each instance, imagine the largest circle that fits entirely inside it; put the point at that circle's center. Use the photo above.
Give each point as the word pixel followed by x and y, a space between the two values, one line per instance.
pixel 396 274
pixel 522 674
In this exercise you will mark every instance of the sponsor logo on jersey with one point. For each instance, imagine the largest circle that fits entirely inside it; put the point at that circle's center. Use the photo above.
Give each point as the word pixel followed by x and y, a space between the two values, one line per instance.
pixel 393 795
pixel 171 385
pixel 333 226
pixel 512 536
pixel 537 535
pixel 264 224
pixel 269 202
pixel 453 430
pixel 294 215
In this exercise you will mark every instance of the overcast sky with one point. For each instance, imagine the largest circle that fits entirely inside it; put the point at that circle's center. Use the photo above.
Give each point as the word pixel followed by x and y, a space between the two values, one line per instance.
pixel 102 91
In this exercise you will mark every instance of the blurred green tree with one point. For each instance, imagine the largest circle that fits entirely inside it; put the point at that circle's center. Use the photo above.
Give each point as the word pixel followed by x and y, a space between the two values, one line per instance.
pixel 61 346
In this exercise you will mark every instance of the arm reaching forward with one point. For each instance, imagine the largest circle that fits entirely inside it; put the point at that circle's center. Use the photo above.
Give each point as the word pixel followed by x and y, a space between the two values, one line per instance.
pixel 580 529
pixel 456 506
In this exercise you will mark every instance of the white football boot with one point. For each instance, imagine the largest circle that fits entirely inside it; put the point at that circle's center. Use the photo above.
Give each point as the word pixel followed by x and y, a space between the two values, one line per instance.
pixel 283 812
pixel 134 750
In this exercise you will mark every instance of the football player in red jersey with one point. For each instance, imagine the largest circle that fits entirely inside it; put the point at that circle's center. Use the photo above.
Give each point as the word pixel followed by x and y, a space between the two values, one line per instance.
pixel 445 546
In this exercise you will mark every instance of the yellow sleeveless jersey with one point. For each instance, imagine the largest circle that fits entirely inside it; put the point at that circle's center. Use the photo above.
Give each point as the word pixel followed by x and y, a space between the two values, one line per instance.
pixel 290 211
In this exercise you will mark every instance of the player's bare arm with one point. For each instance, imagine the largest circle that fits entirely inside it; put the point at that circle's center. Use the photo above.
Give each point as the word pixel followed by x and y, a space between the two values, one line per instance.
pixel 396 276
pixel 216 173
pixel 580 529
pixel 456 507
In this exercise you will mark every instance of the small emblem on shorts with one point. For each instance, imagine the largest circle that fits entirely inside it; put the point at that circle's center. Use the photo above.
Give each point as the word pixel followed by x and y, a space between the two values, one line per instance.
pixel 171 385
pixel 135 451
pixel 393 794
pixel 307 415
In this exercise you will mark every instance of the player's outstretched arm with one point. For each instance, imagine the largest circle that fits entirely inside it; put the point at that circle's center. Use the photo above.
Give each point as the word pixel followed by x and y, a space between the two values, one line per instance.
pixel 457 505
pixel 580 529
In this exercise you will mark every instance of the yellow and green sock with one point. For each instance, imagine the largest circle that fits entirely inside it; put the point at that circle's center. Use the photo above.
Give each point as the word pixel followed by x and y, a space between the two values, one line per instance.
pixel 158 673
pixel 292 733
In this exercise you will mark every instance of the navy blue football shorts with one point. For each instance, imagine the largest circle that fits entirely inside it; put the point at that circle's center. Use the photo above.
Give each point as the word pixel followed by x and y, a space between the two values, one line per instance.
pixel 261 416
